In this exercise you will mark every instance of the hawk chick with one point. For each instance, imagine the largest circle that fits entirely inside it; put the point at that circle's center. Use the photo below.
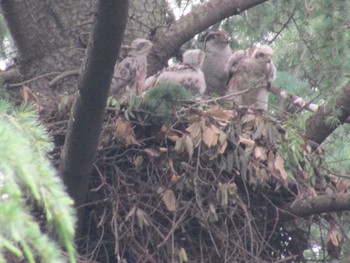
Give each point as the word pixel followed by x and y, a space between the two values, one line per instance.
pixel 251 69
pixel 187 74
pixel 130 74
pixel 217 52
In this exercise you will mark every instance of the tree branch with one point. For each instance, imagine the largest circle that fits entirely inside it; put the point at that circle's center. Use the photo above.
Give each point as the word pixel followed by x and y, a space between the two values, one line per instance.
pixel 316 128
pixel 316 205
pixel 168 39
pixel 93 85
pixel 295 100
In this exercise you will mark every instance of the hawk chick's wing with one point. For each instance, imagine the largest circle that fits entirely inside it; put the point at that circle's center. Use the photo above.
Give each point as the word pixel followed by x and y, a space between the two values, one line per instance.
pixel 187 74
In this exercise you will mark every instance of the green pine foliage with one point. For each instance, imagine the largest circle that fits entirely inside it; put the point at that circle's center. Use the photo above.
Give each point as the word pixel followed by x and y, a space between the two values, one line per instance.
pixel 27 178
pixel 158 105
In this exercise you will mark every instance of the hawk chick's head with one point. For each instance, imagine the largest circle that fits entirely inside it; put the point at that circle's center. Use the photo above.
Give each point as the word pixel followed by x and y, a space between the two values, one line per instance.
pixel 140 46
pixel 218 39
pixel 194 58
pixel 263 54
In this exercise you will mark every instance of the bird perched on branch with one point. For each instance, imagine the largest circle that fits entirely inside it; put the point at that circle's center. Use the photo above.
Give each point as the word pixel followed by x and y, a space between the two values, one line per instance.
pixel 251 69
pixel 130 74
pixel 187 74
pixel 217 52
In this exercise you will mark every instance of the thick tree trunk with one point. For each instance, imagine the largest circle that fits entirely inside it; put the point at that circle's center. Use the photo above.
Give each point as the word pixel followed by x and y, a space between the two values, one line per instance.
pixel 47 35
pixel 51 37
pixel 87 114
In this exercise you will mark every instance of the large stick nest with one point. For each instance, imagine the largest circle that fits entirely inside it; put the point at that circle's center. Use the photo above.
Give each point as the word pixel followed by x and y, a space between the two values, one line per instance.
pixel 198 183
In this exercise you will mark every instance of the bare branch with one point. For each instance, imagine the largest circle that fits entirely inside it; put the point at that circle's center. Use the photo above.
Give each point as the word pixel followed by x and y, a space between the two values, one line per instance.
pixel 297 101
pixel 316 205
pixel 62 76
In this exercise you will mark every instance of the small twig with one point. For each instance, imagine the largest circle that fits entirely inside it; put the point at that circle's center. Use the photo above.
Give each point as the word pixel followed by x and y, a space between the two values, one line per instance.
pixel 217 99
pixel 34 79
pixel 284 26
pixel 175 226
pixel 63 75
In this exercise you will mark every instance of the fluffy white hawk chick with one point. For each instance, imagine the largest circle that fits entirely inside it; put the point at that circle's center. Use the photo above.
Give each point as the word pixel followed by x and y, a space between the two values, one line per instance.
pixel 187 74
pixel 217 52
pixel 251 69
pixel 130 74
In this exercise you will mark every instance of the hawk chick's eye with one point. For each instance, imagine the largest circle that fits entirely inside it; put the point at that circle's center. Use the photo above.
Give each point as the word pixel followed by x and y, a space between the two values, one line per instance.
pixel 141 45
pixel 216 35
pixel 260 54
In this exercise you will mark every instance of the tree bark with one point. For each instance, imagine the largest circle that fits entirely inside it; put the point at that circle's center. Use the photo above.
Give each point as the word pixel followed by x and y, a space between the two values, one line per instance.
pixel 86 119
pixel 168 39
pixel 316 128
pixel 143 17
pixel 316 205
pixel 51 37
pixel 47 35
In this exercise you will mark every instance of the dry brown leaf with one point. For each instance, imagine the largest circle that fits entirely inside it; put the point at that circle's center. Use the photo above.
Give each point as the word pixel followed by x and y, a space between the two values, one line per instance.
pixel 141 218
pixel 312 192
pixel 263 176
pixel 222 148
pixel 162 149
pixel 131 213
pixel 188 142
pixel 195 131
pixel 232 189
pixel 248 121
pixel 212 215
pixel 124 131
pixel 222 137
pixel 173 138
pixel 270 160
pixel 151 152
pixel 26 93
pixel 259 153
pixel 183 255
pixel 169 200
pixel 218 113
pixel 193 118
pixel 249 144
pixel 342 186
pixel 222 194
pixel 180 145
pixel 279 165
pixel 30 97
pixel 246 141
pixel 209 137
pixel 131 140
pixel 215 129
pixel 334 236
pixel 138 160
pixel 174 178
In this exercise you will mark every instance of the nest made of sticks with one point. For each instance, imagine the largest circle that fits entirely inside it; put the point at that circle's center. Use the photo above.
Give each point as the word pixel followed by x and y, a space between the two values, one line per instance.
pixel 182 180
